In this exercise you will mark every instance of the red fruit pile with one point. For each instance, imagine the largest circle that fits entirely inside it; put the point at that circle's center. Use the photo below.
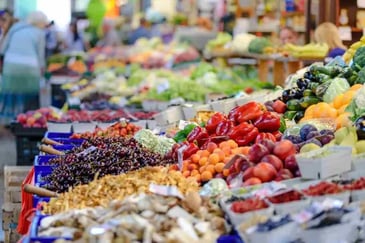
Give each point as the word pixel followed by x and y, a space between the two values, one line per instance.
pixel 250 204
pixel 323 188
pixel 286 197
pixel 121 129
pixel 358 184
pixel 37 118
pixel 246 125
pixel 266 161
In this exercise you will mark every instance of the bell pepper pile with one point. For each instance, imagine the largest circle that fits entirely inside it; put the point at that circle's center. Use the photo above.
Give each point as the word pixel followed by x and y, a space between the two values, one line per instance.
pixel 245 124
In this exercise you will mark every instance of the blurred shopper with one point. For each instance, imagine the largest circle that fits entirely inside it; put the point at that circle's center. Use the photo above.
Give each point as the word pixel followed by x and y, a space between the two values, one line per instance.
pixel 328 33
pixel 110 35
pixel 74 41
pixel 288 35
pixel 141 32
pixel 6 21
pixel 51 39
pixel 24 60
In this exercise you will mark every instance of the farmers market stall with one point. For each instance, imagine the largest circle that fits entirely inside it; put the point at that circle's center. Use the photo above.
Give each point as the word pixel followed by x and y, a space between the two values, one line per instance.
pixel 260 164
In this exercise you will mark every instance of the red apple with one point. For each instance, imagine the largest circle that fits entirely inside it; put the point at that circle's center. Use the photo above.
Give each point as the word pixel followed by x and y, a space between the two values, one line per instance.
pixel 256 152
pixel 252 181
pixel 247 165
pixel 268 144
pixel 274 160
pixel 264 171
pixel 284 174
pixel 22 118
pixel 247 174
pixel 284 148
pixel 30 121
pixel 291 163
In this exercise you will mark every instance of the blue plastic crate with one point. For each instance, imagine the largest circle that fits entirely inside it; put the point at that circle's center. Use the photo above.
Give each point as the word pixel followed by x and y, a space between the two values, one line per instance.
pixel 64 148
pixel 54 135
pixel 39 173
pixel 34 231
pixel 37 199
pixel 69 141
pixel 42 160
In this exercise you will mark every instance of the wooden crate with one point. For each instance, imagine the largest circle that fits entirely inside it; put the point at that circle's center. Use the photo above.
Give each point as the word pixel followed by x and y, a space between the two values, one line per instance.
pixel 13 179
pixel 11 236
pixel 10 213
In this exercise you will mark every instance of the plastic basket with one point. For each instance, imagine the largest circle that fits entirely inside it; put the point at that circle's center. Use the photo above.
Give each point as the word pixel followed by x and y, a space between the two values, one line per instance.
pixel 42 160
pixel 34 231
pixel 39 173
pixel 59 135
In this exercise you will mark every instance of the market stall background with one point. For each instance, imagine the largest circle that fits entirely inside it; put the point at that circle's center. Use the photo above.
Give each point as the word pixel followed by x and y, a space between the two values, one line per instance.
pixel 147 85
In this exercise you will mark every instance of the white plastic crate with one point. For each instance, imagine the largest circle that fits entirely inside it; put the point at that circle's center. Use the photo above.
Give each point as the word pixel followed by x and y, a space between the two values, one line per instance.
pixel 59 127
pixel 83 127
pixel 335 163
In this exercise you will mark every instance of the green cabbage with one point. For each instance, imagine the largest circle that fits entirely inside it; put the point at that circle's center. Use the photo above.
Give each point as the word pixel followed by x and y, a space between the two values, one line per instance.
pixel 338 86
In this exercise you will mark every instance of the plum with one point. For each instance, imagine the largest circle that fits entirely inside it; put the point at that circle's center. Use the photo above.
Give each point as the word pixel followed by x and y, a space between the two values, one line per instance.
pixel 315 141
pixel 325 139
pixel 305 130
pixel 312 134
pixel 294 139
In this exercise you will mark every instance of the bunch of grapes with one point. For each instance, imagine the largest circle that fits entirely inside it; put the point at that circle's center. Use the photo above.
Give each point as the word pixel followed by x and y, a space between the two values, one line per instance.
pixel 108 156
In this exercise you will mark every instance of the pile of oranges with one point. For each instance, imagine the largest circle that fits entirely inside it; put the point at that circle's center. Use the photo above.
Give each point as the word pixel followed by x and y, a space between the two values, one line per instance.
pixel 209 163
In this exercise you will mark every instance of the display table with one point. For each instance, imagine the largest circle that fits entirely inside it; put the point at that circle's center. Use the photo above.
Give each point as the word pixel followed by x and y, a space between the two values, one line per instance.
pixel 282 66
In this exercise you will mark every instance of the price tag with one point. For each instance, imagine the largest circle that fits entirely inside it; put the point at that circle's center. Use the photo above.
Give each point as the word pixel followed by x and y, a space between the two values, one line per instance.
pixel 171 191
pixel 87 151
pixel 180 157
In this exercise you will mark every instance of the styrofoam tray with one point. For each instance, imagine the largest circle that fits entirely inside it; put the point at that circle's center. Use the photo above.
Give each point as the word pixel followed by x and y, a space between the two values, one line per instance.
pixel 358 162
pixel 190 111
pixel 171 115
pixel 337 162
pixel 223 106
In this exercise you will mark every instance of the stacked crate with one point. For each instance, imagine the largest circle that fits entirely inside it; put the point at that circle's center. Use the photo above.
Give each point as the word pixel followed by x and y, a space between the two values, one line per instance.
pixel 13 178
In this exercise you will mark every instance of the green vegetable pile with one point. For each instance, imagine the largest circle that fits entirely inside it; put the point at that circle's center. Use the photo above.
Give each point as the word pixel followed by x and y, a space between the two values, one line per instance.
pixel 157 144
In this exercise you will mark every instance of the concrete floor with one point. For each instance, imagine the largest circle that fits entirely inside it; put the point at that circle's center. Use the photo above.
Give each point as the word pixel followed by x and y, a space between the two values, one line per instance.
pixel 7 157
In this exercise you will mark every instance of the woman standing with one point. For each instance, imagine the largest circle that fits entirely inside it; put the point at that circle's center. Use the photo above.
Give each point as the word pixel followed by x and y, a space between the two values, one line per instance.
pixel 24 60
pixel 74 41
pixel 328 33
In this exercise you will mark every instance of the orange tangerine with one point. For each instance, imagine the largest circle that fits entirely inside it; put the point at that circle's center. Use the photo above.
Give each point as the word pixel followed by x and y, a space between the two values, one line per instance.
pixel 203 161
pixel 219 167
pixel 194 172
pixel 210 168
pixel 245 149
pixel 223 144
pixel 202 169
pixel 205 153
pixel 232 144
pixel 227 151
pixel 206 176
pixel 221 155
pixel 186 173
pixel 195 158
pixel 197 177
pixel 356 87
pixel 213 159
pixel 192 166
pixel 226 172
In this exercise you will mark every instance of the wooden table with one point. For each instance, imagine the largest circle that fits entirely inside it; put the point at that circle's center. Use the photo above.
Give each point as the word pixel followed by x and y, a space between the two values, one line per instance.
pixel 282 66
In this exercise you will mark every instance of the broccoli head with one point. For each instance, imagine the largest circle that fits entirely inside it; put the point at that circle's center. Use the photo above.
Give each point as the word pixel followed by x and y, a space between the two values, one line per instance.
pixel 258 45
pixel 359 59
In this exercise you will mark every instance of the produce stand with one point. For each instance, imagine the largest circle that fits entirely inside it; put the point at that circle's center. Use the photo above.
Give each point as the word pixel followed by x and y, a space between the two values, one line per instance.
pixel 196 152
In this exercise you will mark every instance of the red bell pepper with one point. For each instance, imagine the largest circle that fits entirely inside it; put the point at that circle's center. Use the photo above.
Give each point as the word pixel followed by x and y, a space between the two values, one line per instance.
pixel 247 112
pixel 198 135
pixel 244 134
pixel 213 122
pixel 223 128
pixel 278 135
pixel 190 150
pixel 264 135
pixel 268 122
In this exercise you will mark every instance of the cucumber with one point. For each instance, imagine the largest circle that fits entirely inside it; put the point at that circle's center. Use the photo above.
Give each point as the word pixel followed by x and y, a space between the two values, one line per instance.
pixel 294 105
pixel 290 115
pixel 307 92
pixel 307 101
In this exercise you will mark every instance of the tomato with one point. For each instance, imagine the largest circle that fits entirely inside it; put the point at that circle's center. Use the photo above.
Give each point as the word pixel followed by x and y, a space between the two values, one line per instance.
pixel 264 171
